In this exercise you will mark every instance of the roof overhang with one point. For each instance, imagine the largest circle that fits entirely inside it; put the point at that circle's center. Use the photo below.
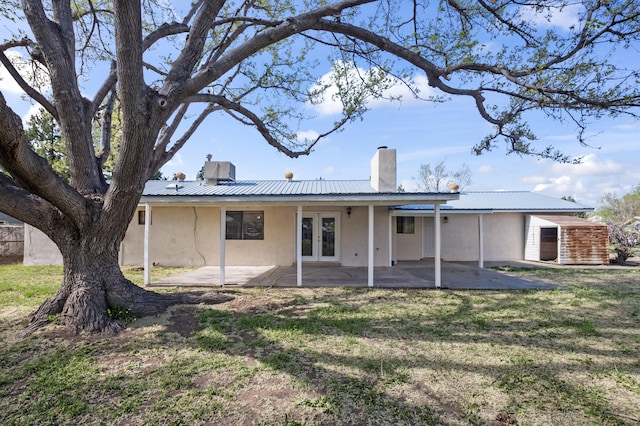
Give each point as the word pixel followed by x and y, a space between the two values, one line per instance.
pixel 376 199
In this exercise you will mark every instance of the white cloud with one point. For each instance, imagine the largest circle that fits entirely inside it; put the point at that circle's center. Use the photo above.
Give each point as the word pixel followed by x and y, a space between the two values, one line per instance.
pixel 33 110
pixel 7 84
pixel 567 17
pixel 34 76
pixel 590 166
pixel 486 169
pixel 587 182
pixel 176 161
pixel 330 103
pixel 410 185
pixel 309 135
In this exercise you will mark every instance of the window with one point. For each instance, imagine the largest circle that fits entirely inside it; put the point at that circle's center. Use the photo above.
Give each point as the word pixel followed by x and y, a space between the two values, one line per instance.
pixel 405 225
pixel 142 216
pixel 245 225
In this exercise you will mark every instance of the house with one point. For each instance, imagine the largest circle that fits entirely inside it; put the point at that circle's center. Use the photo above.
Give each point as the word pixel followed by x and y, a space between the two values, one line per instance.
pixel 221 221
pixel 496 226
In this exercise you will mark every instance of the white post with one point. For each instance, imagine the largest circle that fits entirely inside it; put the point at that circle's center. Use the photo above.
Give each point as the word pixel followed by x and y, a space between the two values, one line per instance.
pixel 436 259
pixel 390 239
pixel 480 242
pixel 371 249
pixel 223 242
pixel 299 247
pixel 147 231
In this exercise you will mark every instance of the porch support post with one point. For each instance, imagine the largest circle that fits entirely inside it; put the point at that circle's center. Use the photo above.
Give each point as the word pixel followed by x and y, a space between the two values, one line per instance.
pixel 299 247
pixel 223 243
pixel 480 242
pixel 147 231
pixel 438 243
pixel 371 251
pixel 390 239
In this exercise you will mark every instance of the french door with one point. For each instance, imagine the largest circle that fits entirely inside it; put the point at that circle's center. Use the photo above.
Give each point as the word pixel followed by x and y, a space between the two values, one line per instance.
pixel 320 237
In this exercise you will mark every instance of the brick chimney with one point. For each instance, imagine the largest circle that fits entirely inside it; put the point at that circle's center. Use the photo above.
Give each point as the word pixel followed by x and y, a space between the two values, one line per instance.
pixel 383 170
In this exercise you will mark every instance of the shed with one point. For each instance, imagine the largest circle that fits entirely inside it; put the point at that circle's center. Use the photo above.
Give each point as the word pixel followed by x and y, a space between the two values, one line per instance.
pixel 566 240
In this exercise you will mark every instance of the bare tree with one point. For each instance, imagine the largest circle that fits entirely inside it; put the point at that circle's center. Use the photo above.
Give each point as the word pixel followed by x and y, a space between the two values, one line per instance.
pixel 437 178
pixel 258 62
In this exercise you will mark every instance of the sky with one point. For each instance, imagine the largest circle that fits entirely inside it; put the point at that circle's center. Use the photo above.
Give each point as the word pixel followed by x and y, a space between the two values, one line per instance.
pixel 422 133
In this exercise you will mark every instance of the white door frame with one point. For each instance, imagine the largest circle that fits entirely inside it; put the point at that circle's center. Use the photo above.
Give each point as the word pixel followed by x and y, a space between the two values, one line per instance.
pixel 317 236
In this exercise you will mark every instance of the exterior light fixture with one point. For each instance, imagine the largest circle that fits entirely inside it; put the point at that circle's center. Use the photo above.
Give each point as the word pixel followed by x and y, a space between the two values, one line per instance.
pixel 349 211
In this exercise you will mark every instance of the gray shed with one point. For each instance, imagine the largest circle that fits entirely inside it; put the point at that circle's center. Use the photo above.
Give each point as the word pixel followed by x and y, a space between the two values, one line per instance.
pixel 566 240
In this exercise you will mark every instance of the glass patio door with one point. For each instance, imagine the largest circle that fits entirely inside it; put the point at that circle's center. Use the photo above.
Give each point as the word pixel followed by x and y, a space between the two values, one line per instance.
pixel 320 242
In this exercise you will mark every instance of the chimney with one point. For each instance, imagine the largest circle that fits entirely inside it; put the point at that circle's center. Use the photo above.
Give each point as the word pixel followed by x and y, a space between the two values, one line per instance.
pixel 383 170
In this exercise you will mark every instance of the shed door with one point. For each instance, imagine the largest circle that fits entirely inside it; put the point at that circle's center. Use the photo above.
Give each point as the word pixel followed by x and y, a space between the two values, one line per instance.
pixel 549 243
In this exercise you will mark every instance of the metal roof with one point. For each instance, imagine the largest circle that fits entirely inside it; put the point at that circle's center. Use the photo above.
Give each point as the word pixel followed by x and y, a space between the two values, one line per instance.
pixel 354 192
pixel 257 187
pixel 502 201
pixel 570 221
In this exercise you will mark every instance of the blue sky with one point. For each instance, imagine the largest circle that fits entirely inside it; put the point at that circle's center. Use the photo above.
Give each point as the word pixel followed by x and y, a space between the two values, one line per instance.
pixel 422 133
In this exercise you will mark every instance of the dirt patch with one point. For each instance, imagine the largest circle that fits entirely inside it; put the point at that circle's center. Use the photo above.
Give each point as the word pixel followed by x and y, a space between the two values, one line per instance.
pixel 184 321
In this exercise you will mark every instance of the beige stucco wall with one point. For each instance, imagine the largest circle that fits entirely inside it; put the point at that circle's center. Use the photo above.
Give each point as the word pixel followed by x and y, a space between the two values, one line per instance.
pixel 504 237
pixel 189 236
pixel 355 234
pixel 408 247
pixel 39 249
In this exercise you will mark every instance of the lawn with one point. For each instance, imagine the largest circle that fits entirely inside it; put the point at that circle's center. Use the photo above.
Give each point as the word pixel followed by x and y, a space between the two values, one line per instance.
pixel 337 356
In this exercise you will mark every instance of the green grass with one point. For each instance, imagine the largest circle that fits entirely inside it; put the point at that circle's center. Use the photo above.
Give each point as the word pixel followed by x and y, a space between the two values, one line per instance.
pixel 339 356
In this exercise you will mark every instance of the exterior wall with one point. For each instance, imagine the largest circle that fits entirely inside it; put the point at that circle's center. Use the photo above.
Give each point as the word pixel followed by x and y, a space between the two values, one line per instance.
pixel 408 247
pixel 11 242
pixel 39 249
pixel 584 245
pixel 355 237
pixel 503 237
pixel 189 236
pixel 459 236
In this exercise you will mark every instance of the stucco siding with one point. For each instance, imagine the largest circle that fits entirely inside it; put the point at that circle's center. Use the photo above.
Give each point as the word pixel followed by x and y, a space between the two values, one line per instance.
pixel 355 234
pixel 459 237
pixel 190 236
pixel 504 236
pixel 39 249
pixel 408 246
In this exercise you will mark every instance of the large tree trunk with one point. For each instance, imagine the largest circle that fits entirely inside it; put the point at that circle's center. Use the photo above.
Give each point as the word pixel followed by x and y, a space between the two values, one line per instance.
pixel 94 291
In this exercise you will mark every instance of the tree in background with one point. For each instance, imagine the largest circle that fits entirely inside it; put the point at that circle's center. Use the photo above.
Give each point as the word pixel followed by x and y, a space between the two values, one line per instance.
pixel 621 210
pixel 262 64
pixel 622 215
pixel 45 138
pixel 437 178
pixel 624 239
pixel 573 200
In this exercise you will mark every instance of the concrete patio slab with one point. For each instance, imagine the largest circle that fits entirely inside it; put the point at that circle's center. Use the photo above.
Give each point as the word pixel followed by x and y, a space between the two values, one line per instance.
pixel 455 276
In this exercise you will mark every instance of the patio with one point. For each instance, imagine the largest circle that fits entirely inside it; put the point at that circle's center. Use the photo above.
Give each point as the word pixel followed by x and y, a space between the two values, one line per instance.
pixel 455 276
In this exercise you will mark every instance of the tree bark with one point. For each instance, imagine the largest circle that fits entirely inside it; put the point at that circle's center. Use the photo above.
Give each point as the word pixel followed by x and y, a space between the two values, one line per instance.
pixel 94 290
